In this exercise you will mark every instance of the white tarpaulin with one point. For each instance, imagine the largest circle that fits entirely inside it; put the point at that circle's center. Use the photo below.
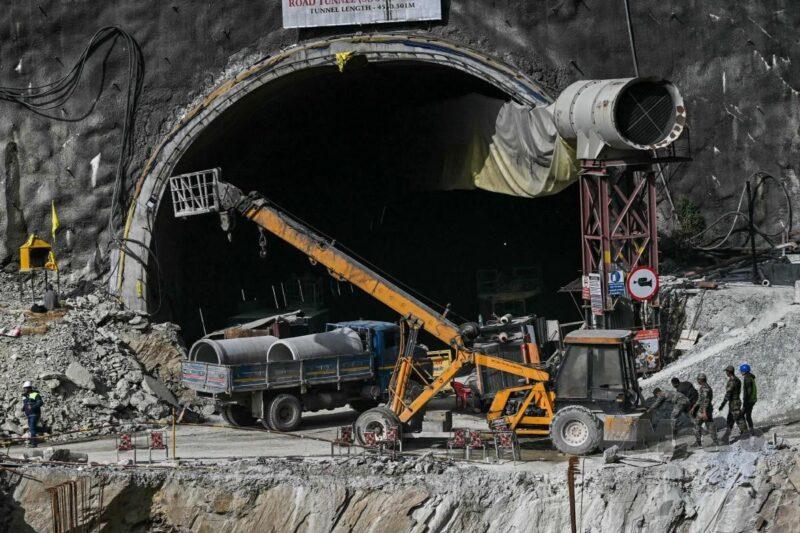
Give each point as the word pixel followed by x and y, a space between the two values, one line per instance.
pixel 500 146
pixel 313 13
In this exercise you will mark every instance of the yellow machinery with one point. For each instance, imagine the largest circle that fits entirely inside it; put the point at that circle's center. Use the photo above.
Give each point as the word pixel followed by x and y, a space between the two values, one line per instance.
pixel 531 408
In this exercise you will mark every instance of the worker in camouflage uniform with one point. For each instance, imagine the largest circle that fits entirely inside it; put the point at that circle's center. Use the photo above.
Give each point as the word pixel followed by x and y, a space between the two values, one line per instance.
pixel 733 392
pixel 680 404
pixel 703 411
pixel 749 395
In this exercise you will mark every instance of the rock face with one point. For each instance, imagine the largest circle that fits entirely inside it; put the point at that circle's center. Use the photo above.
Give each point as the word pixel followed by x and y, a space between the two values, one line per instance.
pixel 739 490
pixel 742 99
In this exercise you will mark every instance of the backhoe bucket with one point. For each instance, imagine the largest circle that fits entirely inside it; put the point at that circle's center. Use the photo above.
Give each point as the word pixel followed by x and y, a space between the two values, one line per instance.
pixel 195 193
pixel 627 431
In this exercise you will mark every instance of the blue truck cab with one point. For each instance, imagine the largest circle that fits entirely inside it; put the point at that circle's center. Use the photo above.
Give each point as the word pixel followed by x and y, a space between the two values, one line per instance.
pixel 382 339
pixel 277 393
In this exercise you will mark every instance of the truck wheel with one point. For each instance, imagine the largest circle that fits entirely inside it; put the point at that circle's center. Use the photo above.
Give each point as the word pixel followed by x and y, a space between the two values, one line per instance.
pixel 284 412
pixel 363 405
pixel 575 430
pixel 237 415
pixel 377 420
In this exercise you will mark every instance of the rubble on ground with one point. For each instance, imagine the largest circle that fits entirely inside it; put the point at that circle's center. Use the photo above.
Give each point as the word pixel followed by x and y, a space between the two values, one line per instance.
pixel 741 323
pixel 85 360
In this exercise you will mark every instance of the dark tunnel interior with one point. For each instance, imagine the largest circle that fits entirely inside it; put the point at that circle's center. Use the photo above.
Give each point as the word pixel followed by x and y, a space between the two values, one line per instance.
pixel 354 155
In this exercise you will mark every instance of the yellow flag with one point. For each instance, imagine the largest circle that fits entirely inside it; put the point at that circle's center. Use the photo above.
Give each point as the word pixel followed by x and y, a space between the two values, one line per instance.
pixel 55 223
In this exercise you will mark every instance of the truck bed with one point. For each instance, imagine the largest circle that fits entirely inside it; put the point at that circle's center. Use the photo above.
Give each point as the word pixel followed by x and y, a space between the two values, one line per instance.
pixel 227 379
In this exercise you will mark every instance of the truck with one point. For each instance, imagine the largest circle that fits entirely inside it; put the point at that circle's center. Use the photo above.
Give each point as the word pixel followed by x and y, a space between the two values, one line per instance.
pixel 590 397
pixel 277 393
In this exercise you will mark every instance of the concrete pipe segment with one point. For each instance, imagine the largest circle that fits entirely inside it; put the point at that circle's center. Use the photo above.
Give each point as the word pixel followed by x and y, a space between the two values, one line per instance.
pixel 232 351
pixel 337 342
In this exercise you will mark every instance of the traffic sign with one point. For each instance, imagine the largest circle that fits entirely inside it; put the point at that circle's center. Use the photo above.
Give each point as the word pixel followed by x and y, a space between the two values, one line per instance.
pixel 642 284
pixel 616 283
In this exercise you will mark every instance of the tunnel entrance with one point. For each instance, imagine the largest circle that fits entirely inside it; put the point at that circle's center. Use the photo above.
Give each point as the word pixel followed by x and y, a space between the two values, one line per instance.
pixel 361 155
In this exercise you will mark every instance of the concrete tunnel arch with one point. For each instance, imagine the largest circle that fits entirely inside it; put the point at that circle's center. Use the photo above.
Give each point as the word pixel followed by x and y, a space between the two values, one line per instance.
pixel 130 281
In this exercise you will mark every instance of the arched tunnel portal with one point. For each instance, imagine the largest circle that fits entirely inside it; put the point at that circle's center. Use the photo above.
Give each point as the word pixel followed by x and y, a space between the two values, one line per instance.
pixel 366 151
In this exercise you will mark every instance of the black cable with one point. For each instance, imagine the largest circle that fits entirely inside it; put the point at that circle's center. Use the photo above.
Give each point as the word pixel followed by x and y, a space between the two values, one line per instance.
pixel 761 177
pixel 121 243
pixel 42 98
pixel 631 39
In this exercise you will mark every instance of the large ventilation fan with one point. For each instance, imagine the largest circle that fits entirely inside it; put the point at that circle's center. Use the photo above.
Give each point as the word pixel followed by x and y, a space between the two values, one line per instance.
pixel 625 114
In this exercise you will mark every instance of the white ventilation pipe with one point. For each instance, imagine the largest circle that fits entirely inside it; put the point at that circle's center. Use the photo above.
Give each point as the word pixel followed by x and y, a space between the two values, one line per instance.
pixel 337 342
pixel 622 114
pixel 232 351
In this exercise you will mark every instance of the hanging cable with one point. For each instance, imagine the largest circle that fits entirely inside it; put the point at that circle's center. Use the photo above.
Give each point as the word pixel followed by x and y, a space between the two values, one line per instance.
pixel 44 98
pixel 631 39
pixel 737 215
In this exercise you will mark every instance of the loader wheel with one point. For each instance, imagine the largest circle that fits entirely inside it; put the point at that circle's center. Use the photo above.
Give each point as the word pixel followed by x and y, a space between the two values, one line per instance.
pixel 238 416
pixel 575 430
pixel 377 420
pixel 284 412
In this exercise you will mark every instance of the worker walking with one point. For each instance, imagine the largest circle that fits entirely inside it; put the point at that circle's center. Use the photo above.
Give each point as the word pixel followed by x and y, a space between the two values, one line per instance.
pixel 749 395
pixel 680 404
pixel 733 391
pixel 703 412
pixel 687 389
pixel 32 407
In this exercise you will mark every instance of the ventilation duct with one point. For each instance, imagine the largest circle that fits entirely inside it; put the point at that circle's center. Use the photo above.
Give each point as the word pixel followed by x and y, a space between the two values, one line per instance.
pixel 622 114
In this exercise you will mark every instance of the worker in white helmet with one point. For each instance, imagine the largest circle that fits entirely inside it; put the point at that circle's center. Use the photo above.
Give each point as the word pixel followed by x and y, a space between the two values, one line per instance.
pixel 32 407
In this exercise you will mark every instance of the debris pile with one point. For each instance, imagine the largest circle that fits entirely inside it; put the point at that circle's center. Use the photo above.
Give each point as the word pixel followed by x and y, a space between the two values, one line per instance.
pixel 743 323
pixel 84 359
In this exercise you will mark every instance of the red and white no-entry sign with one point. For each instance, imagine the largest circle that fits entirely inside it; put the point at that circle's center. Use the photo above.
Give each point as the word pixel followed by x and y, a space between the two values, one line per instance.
pixel 642 284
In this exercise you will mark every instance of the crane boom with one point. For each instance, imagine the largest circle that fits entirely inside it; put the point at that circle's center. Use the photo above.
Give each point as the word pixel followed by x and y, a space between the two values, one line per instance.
pixel 345 267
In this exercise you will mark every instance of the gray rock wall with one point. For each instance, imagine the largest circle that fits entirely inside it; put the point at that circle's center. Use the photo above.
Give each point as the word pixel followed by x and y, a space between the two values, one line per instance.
pixel 732 60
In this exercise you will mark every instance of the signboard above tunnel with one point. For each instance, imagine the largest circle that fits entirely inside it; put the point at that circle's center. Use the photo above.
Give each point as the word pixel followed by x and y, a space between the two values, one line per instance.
pixel 314 13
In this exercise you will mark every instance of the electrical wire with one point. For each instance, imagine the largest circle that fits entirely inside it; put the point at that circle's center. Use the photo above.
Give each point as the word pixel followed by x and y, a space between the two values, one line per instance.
pixel 44 98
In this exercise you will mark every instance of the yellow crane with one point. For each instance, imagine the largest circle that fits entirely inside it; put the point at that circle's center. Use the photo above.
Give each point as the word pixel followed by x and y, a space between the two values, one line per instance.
pixel 573 418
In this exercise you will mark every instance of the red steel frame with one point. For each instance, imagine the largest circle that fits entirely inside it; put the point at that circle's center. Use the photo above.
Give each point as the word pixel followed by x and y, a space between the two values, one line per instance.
pixel 618 220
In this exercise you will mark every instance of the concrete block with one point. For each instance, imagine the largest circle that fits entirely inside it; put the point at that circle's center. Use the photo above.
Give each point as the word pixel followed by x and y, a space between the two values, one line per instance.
pixel 437 421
